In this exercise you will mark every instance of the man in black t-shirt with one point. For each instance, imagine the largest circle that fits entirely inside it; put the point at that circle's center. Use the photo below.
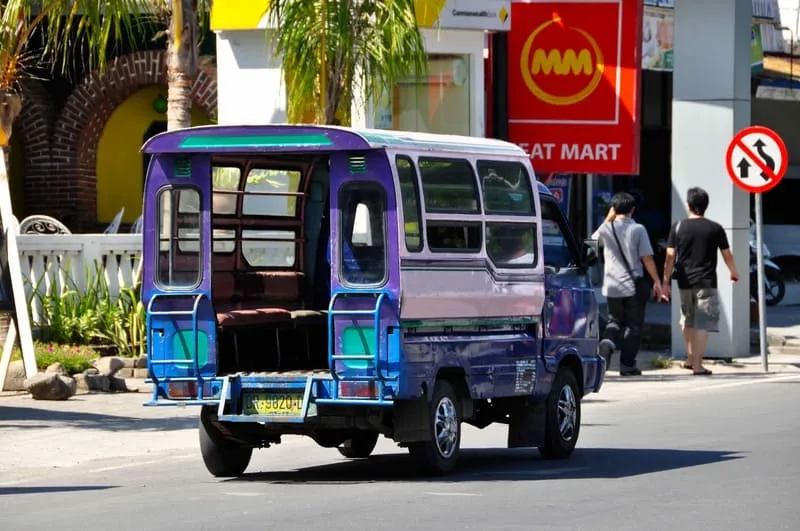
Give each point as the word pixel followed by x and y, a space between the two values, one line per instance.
pixel 695 241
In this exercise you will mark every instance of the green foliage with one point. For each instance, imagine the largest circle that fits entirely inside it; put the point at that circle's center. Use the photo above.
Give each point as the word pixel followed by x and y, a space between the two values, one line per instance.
pixel 360 45
pixel 74 358
pixel 92 316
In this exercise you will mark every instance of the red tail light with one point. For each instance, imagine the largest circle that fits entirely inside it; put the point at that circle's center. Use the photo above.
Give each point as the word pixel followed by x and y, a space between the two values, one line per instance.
pixel 358 390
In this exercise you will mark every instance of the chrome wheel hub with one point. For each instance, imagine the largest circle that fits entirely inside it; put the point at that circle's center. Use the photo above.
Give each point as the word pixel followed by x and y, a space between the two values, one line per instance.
pixel 446 427
pixel 567 413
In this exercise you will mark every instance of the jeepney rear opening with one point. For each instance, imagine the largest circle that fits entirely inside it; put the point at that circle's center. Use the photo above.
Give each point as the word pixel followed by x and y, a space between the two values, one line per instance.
pixel 269 267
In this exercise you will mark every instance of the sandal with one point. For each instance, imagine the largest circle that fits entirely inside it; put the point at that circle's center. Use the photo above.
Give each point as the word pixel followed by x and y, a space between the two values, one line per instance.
pixel 704 372
pixel 686 366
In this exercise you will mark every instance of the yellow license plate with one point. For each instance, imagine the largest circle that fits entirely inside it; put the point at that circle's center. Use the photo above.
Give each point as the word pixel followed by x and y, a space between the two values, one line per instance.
pixel 274 404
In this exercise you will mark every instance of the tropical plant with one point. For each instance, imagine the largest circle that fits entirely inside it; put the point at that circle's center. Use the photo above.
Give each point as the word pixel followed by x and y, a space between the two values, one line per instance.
pixel 58 25
pixel 336 50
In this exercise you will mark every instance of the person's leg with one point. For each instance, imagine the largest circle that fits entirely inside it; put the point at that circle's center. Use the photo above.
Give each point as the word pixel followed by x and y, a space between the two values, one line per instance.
pixel 614 327
pixel 631 336
pixel 688 324
pixel 707 320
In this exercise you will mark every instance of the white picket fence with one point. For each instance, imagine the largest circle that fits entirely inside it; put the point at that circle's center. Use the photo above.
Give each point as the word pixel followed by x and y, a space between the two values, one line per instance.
pixel 67 259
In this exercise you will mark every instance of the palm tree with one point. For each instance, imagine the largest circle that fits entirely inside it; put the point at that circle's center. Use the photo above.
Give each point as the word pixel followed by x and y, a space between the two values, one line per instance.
pixel 335 50
pixel 61 23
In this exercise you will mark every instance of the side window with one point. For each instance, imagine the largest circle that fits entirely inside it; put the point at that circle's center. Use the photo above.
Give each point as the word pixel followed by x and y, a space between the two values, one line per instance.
pixel 453 236
pixel 362 248
pixel 506 188
pixel 448 185
pixel 511 244
pixel 225 179
pixel 558 252
pixel 178 238
pixel 271 192
pixel 268 248
pixel 409 191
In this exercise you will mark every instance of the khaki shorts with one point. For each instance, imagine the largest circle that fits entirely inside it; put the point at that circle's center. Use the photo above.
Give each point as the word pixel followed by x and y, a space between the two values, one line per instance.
pixel 700 309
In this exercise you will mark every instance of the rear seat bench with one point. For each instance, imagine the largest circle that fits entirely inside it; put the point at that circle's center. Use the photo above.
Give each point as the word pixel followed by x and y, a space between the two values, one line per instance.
pixel 254 298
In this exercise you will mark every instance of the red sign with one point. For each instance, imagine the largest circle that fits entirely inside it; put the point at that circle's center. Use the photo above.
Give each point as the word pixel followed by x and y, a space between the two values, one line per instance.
pixel 574 76
pixel 757 159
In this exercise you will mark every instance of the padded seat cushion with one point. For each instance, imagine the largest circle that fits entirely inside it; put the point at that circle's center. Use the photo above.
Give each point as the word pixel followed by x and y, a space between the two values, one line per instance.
pixel 248 314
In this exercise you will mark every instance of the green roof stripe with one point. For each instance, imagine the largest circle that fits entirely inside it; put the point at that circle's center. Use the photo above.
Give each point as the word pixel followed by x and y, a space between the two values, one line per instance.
pixel 255 141
pixel 390 139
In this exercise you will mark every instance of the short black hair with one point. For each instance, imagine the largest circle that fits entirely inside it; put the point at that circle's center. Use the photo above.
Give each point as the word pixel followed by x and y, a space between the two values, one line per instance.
pixel 697 200
pixel 623 203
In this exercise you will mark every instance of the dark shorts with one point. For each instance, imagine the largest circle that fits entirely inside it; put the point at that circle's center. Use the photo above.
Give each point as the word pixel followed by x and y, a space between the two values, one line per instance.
pixel 700 309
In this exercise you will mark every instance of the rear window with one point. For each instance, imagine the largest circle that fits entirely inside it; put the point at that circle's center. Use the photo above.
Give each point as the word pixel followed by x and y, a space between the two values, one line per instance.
pixel 178 237
pixel 362 241
pixel 269 192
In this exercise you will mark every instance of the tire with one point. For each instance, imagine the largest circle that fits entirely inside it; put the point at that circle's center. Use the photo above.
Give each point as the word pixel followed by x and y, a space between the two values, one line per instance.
pixel 434 456
pixel 777 279
pixel 360 446
pixel 223 458
pixel 558 443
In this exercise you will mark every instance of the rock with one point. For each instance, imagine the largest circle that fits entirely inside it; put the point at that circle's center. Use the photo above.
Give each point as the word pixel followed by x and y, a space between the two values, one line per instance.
pixel 81 384
pixel 91 371
pixel 15 377
pixel 141 374
pixel 98 382
pixel 121 385
pixel 124 373
pixel 141 362
pixel 56 368
pixel 50 386
pixel 130 363
pixel 109 365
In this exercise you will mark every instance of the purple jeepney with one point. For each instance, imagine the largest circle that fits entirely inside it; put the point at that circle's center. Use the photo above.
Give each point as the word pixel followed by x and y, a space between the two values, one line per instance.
pixel 343 284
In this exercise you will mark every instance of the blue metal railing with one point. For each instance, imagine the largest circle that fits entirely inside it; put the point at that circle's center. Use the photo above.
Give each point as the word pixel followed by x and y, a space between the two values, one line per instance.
pixel 374 357
pixel 195 356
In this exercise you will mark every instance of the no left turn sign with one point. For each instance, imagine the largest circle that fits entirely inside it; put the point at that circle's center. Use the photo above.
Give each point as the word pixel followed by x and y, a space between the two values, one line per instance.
pixel 757 159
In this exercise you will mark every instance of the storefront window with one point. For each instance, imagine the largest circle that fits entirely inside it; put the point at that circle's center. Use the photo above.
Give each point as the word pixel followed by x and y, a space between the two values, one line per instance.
pixel 438 103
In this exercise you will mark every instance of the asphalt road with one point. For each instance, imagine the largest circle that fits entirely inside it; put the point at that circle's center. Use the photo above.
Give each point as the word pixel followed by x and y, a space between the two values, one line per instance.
pixel 709 457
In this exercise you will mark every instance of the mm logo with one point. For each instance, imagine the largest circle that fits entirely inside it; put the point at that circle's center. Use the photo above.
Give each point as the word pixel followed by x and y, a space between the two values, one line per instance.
pixel 583 64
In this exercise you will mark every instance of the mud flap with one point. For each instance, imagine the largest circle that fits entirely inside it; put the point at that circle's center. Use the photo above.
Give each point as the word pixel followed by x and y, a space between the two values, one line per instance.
pixel 526 427
pixel 411 419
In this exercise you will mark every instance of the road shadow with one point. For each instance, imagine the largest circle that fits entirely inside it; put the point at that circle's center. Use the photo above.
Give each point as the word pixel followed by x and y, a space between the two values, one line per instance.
pixel 22 418
pixel 13 491
pixel 501 465
pixel 687 375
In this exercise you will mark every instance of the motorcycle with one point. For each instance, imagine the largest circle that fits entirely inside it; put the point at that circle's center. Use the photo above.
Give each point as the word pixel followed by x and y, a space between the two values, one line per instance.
pixel 774 285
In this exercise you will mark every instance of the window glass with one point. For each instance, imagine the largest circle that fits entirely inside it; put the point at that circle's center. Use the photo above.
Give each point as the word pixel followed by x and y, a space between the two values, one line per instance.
pixel 506 187
pixel 268 248
pixel 224 241
pixel 448 185
pixel 271 192
pixel 556 248
pixel 409 192
pixel 511 244
pixel 179 238
pixel 225 178
pixel 363 258
pixel 450 236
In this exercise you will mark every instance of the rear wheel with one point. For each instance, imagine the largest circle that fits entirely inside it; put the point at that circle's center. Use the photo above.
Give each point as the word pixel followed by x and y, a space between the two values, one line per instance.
pixel 439 454
pixel 775 288
pixel 360 445
pixel 563 417
pixel 223 458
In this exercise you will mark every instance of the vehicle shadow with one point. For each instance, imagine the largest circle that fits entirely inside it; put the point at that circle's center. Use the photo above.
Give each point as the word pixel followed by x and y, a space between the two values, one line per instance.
pixel 12 491
pixel 502 465
pixel 23 418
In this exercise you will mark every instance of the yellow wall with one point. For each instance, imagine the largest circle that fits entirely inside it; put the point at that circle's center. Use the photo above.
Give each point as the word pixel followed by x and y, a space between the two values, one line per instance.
pixel 119 161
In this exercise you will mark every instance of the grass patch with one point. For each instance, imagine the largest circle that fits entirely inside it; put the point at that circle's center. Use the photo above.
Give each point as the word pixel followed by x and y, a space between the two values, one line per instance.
pixel 74 358
pixel 662 362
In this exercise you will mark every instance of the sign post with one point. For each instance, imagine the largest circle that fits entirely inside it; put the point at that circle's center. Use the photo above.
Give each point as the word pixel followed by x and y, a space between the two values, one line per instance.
pixel 756 161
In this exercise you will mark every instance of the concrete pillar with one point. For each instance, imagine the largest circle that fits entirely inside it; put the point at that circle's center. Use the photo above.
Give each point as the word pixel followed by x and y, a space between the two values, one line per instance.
pixel 711 103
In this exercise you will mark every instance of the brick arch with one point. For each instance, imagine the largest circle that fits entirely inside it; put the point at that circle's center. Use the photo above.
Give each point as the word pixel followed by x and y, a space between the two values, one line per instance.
pixel 72 196
pixel 34 125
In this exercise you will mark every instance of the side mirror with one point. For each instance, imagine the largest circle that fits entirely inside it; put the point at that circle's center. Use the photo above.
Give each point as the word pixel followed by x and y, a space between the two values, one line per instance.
pixel 591 252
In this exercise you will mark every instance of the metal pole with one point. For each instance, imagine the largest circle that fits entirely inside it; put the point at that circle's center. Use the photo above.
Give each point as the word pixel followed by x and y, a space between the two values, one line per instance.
pixel 762 307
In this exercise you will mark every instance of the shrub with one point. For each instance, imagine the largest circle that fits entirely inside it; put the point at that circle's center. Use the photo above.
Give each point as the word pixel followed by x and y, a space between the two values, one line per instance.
pixel 74 358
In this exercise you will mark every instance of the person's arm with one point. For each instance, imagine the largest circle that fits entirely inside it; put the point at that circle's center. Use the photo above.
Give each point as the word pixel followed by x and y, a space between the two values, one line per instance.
pixel 727 255
pixel 646 255
pixel 609 218
pixel 669 262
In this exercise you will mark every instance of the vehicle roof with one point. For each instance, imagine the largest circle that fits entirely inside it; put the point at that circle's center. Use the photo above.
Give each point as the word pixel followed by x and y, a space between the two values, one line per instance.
pixel 279 137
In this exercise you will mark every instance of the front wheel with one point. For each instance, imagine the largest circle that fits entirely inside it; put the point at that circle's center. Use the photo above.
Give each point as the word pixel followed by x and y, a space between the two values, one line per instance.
pixel 360 446
pixel 563 417
pixel 223 458
pixel 439 454
pixel 775 289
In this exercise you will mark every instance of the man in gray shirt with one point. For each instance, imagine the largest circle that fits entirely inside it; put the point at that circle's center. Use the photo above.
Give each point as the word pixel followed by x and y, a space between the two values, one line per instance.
pixel 626 288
